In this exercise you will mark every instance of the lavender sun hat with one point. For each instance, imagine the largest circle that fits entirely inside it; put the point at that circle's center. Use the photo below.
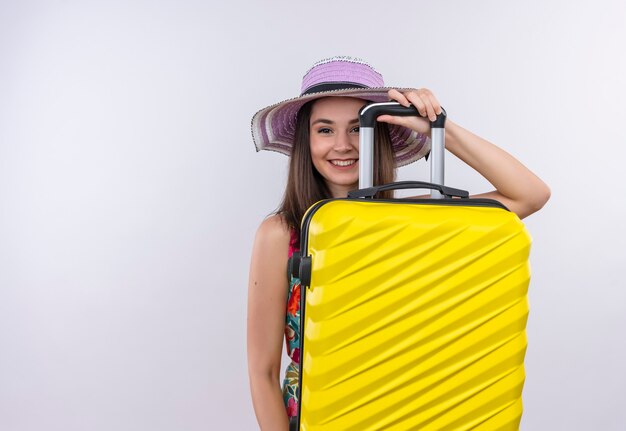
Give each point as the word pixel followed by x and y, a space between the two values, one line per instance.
pixel 273 128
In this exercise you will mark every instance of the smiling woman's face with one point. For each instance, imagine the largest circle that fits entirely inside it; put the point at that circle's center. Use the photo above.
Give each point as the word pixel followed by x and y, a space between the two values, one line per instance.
pixel 334 140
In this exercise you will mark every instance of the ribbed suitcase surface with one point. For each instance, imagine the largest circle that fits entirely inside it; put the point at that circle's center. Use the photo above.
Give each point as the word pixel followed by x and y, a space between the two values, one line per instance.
pixel 415 316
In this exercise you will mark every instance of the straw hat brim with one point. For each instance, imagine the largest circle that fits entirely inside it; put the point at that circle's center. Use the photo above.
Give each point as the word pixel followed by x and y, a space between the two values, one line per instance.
pixel 273 127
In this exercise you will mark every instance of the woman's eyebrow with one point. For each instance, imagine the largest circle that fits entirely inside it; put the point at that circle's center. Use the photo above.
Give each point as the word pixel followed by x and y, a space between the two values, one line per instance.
pixel 322 120
pixel 325 121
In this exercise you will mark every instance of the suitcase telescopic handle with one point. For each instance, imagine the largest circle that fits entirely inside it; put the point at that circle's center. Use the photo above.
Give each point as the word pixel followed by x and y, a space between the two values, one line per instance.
pixel 448 192
pixel 367 120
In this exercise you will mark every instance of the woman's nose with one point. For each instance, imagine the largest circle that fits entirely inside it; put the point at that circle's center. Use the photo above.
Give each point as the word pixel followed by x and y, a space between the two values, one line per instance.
pixel 343 142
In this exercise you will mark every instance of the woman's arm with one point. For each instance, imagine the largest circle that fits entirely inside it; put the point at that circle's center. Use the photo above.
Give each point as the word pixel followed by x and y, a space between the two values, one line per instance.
pixel 515 185
pixel 267 298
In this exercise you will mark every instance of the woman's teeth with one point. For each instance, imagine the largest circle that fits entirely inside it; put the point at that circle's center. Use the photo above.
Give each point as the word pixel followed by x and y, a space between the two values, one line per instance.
pixel 343 162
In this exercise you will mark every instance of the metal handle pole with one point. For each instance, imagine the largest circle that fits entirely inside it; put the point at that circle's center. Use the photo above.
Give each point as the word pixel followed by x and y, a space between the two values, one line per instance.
pixel 366 157
pixel 437 155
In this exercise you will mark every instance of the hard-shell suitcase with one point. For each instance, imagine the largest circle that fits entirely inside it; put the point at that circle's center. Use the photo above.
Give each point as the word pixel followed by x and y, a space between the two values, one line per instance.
pixel 413 311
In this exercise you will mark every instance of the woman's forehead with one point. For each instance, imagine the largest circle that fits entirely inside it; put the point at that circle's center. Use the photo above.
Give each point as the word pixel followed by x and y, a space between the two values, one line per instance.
pixel 339 108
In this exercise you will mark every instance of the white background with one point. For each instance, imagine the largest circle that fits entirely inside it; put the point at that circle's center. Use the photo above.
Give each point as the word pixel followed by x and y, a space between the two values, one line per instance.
pixel 130 190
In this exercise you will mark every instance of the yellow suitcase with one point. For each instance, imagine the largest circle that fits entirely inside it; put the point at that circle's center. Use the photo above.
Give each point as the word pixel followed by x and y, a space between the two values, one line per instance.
pixel 413 313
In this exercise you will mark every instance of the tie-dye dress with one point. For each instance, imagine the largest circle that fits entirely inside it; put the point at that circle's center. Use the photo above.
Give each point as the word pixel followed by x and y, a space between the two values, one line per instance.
pixel 292 338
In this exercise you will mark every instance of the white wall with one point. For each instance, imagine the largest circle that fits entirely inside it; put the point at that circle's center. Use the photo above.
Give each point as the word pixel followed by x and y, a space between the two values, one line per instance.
pixel 130 190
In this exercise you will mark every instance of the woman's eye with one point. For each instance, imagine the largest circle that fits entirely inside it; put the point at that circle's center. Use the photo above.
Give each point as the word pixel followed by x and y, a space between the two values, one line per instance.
pixel 355 130
pixel 324 130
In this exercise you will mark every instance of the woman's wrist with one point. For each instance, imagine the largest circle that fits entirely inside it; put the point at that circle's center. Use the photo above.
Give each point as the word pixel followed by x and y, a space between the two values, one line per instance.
pixel 452 135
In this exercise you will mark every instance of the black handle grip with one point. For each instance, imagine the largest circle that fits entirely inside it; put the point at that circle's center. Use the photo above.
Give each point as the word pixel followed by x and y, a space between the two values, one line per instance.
pixel 399 185
pixel 293 266
pixel 369 113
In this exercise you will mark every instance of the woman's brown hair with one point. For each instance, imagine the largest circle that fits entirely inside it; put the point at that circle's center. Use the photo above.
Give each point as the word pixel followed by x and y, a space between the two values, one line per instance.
pixel 305 185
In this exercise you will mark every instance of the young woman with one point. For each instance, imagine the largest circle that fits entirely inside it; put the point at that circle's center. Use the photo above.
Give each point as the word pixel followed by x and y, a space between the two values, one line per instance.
pixel 320 132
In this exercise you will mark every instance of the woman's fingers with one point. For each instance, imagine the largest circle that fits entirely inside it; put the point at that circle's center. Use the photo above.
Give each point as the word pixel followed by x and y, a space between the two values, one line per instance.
pixel 423 99
pixel 420 125
pixel 418 102
pixel 435 103
pixel 400 121
pixel 398 97
pixel 426 103
pixel 435 106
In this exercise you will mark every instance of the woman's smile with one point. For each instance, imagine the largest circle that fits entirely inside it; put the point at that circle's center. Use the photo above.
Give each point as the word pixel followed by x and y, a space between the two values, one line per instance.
pixel 344 164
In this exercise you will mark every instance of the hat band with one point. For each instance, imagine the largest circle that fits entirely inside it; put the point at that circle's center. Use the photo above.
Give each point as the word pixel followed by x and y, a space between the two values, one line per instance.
pixel 332 86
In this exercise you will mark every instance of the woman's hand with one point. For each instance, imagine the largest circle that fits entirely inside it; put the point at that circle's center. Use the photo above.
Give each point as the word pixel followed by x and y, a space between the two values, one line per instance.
pixel 425 102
